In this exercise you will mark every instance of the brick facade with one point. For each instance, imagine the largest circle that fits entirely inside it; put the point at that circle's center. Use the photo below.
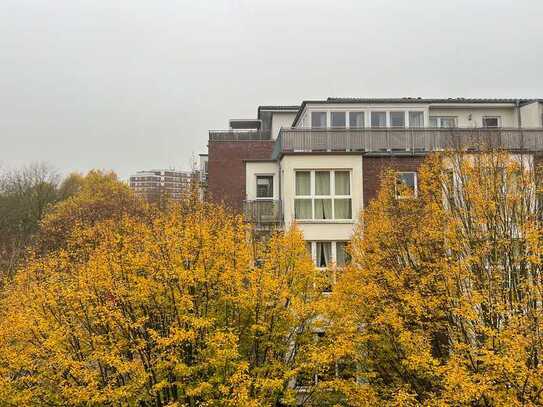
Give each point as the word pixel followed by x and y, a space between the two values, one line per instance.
pixel 226 169
pixel 374 167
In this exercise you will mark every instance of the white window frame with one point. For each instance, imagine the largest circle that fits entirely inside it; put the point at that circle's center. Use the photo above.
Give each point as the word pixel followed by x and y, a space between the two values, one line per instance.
pixel 416 181
pixel 364 114
pixel 389 120
pixel 333 253
pixel 408 117
pixel 439 119
pixel 313 196
pixel 499 122
pixel 326 118
pixel 345 113
pixel 256 186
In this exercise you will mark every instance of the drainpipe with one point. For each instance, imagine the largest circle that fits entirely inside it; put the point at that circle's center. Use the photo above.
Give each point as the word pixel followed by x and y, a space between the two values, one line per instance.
pixel 281 207
pixel 519 122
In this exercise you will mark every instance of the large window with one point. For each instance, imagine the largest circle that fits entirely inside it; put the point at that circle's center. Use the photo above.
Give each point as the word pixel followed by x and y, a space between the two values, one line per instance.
pixel 338 119
pixel 378 119
pixel 356 119
pixel 318 120
pixel 264 186
pixel 397 119
pixel 325 254
pixel 442 121
pixel 416 119
pixel 323 195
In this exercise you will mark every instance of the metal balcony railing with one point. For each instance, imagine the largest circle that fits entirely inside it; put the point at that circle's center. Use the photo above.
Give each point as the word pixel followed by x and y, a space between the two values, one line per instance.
pixel 405 140
pixel 263 211
pixel 239 135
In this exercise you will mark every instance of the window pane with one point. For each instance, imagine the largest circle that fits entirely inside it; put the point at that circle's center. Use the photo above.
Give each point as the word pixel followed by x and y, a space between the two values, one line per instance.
pixel 323 209
pixel 490 122
pixel 303 183
pixel 406 184
pixel 318 119
pixel 308 248
pixel 397 119
pixel 302 209
pixel 264 186
pixel 342 180
pixel 416 119
pixel 378 119
pixel 342 257
pixel 322 182
pixel 342 209
pixel 448 122
pixel 338 119
pixel 356 119
pixel 433 122
pixel 324 254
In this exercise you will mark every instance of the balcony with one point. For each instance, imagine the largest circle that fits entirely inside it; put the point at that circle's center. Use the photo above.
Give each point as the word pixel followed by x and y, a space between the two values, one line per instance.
pixel 401 141
pixel 239 135
pixel 263 212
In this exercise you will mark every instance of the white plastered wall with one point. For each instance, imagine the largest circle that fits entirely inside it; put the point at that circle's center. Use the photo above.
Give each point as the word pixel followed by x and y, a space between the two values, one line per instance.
pixel 531 115
pixel 321 230
pixel 254 168
pixel 473 117
pixel 281 119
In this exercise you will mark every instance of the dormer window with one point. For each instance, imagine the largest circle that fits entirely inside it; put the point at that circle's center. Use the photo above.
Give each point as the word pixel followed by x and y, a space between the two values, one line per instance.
pixel 356 120
pixel 338 119
pixel 378 119
pixel 318 120
pixel 397 119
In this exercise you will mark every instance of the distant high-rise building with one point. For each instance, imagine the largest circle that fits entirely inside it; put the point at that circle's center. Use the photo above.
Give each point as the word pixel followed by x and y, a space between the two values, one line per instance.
pixel 157 185
pixel 202 174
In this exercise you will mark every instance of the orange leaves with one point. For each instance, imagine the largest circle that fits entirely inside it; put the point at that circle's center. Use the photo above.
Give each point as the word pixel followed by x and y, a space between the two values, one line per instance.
pixel 137 306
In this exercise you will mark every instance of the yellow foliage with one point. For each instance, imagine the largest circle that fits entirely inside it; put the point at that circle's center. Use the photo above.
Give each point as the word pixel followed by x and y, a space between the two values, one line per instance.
pixel 442 304
pixel 155 308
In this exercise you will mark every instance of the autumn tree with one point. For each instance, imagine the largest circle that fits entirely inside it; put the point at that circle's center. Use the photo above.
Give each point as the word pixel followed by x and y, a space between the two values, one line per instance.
pixel 99 196
pixel 156 308
pixel 442 304
pixel 25 195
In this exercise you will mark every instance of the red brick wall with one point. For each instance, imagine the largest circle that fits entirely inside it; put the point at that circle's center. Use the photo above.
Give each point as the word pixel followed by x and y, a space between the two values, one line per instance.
pixel 374 167
pixel 226 169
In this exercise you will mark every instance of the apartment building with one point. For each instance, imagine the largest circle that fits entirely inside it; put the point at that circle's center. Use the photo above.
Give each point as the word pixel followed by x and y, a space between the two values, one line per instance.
pixel 202 174
pixel 157 185
pixel 319 164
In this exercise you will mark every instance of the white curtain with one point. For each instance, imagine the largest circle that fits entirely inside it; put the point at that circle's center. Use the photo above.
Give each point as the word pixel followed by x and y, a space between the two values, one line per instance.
pixel 356 119
pixel 302 209
pixel 323 209
pixel 322 183
pixel 378 119
pixel 324 254
pixel 343 209
pixel 342 182
pixel 303 183
pixel 416 119
pixel 318 119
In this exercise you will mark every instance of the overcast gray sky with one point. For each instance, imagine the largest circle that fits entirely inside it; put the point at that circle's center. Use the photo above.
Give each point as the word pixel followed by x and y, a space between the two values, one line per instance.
pixel 136 84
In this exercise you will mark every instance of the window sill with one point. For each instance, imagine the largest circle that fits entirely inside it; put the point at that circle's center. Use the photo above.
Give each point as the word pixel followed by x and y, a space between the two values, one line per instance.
pixel 324 221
